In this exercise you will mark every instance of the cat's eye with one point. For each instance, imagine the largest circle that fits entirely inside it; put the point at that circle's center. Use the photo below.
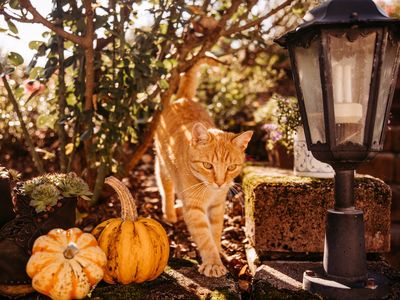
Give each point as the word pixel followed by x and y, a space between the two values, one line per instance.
pixel 232 167
pixel 207 165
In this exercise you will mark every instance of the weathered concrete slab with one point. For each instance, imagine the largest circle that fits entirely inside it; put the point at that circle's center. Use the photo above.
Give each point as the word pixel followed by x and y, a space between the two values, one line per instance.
pixel 286 213
pixel 283 280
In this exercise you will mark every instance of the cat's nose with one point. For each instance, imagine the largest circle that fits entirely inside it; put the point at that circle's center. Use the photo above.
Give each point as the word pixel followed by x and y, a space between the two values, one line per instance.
pixel 219 184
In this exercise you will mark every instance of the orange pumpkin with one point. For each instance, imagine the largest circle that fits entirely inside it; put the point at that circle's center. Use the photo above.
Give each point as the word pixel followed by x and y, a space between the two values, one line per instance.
pixel 66 264
pixel 137 249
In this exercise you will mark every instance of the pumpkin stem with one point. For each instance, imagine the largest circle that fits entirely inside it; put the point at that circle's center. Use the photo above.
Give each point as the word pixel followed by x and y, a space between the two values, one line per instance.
pixel 71 251
pixel 128 206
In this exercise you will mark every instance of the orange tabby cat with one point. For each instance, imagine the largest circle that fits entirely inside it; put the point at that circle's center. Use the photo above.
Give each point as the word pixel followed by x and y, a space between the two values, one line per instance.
pixel 197 162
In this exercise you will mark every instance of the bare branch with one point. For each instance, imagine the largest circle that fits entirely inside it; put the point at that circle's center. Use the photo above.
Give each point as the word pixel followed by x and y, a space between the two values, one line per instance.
pixel 89 55
pixel 213 37
pixel 38 18
pixel 258 21
pixel 14 18
pixel 205 5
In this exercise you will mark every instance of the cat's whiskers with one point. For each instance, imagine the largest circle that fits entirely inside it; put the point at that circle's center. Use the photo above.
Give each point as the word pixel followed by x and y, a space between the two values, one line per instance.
pixel 192 186
pixel 195 197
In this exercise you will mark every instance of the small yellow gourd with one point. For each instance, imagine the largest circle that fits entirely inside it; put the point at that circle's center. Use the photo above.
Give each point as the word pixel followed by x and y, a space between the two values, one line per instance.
pixel 66 264
pixel 137 249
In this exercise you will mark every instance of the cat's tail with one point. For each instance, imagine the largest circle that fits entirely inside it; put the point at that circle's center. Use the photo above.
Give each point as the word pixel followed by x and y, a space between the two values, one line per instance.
pixel 190 80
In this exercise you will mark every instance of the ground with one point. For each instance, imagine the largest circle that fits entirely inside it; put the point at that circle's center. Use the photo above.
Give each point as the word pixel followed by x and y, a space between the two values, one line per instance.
pixel 143 186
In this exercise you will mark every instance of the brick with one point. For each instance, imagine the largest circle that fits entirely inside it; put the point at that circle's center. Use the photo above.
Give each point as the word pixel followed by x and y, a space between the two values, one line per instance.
pixel 382 166
pixel 286 213
pixel 395 202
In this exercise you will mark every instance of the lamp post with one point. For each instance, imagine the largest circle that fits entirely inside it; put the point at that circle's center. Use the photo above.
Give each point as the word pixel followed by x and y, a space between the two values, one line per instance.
pixel 345 60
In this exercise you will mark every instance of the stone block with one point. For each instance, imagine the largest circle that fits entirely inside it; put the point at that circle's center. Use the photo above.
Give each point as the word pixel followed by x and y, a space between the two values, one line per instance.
pixel 283 280
pixel 381 166
pixel 395 202
pixel 286 213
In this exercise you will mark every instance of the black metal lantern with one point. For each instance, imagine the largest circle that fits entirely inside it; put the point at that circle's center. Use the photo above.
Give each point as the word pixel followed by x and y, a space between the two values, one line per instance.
pixel 345 60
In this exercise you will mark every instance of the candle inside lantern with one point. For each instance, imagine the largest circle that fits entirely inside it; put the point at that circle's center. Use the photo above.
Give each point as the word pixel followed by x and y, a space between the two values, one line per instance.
pixel 346 111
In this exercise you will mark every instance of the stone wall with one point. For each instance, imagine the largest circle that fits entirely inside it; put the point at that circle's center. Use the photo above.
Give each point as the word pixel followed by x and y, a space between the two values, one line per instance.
pixel 286 213
pixel 386 164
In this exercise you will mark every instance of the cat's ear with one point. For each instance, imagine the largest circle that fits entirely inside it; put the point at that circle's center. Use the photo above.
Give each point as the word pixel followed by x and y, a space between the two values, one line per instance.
pixel 200 134
pixel 242 139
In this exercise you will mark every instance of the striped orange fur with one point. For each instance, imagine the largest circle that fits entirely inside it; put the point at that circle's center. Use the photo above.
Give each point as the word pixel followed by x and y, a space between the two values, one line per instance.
pixel 197 162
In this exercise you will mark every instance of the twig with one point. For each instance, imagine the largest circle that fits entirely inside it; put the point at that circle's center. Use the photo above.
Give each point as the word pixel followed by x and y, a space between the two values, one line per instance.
pixel 38 18
pixel 258 21
pixel 205 5
pixel 18 19
pixel 99 182
pixel 89 55
pixel 62 103
pixel 31 147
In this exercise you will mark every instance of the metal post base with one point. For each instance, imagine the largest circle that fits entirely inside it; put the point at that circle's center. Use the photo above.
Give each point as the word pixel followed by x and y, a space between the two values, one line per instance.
pixel 316 282
pixel 344 252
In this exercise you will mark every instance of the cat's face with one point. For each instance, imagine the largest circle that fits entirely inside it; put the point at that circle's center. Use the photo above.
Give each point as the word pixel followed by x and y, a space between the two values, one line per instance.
pixel 216 157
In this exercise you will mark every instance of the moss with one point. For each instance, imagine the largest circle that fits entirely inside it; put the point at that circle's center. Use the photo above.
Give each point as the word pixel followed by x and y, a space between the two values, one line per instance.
pixel 222 294
pixel 164 287
pixel 177 263
pixel 269 191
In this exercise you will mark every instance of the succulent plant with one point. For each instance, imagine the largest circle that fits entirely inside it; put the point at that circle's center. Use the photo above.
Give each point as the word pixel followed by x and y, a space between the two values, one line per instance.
pixel 43 196
pixel 14 174
pixel 71 185
pixel 46 190
pixel 4 173
pixel 9 173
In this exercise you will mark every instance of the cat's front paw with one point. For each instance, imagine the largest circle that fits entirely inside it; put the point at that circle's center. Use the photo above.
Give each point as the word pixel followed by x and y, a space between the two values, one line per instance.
pixel 212 270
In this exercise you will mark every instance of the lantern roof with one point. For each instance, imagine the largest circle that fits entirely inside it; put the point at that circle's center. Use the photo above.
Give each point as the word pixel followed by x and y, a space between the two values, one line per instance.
pixel 340 13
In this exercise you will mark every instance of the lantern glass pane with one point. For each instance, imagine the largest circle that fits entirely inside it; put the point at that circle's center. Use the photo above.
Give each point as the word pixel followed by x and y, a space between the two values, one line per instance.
pixel 351 69
pixel 387 81
pixel 307 61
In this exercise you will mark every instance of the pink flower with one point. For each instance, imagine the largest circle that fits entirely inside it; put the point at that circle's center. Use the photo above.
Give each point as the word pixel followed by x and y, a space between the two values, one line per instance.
pixel 31 86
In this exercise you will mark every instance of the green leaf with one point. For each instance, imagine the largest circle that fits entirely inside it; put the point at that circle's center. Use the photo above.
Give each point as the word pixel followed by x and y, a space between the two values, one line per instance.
pixel 69 61
pixel 170 63
pixel 163 28
pixel 34 45
pixel 100 21
pixel 164 84
pixel 3 29
pixel 7 71
pixel 49 71
pixel 36 72
pixel 19 92
pixel 12 27
pixel 15 58
pixel 46 121
pixel 71 99
pixel 14 4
